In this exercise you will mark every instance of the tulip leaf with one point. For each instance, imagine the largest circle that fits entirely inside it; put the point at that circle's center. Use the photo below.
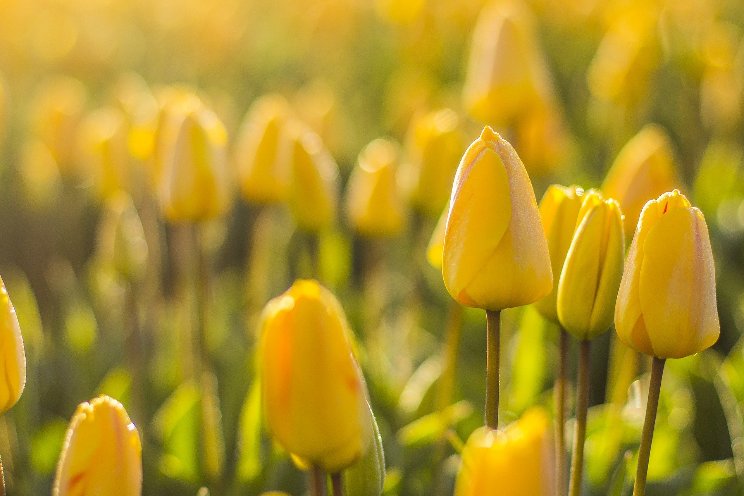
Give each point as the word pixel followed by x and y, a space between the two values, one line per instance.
pixel 80 327
pixel 433 426
pixel 177 423
pixel 117 384
pixel 529 366
pixel 366 477
pixel 717 478
pixel 333 258
pixel 249 455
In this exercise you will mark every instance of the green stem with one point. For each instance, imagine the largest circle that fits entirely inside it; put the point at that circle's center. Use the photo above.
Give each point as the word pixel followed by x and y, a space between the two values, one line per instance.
pixel 337 484
pixel 560 412
pixel 582 405
pixel 317 481
pixel 493 334
pixel 644 452
pixel 201 294
pixel 2 479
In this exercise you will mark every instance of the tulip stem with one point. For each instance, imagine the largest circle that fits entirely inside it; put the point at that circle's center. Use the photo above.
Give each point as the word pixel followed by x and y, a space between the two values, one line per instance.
pixel 317 481
pixel 582 405
pixel 644 451
pixel 560 412
pixel 2 479
pixel 493 335
pixel 337 484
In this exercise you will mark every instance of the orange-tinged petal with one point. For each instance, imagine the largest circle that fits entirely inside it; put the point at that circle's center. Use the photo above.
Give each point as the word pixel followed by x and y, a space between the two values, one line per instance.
pixel 11 352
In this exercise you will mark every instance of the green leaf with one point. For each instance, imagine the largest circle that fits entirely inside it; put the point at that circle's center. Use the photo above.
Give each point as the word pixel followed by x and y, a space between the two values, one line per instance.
pixel 249 445
pixel 177 423
pixel 367 476
pixel 46 445
pixel 432 427
pixel 117 384
pixel 529 365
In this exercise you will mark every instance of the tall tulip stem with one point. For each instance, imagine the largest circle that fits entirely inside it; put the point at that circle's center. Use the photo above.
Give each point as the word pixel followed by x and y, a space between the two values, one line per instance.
pixel 317 481
pixel 654 388
pixel 2 479
pixel 560 412
pixel 337 484
pixel 493 336
pixel 582 405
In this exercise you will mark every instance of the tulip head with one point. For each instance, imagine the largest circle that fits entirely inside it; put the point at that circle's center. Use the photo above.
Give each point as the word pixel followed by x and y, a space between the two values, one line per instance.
pixel 495 251
pixel 644 169
pixel 103 146
pixel 313 392
pixel 591 273
pixel 373 201
pixel 559 211
pixel 666 306
pixel 195 182
pixel 121 239
pixel 102 453
pixel 13 356
pixel 517 461
pixel 314 181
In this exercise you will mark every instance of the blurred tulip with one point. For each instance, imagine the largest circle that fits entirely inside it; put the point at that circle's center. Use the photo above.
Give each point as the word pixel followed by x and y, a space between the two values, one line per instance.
pixel 435 250
pixel 262 174
pixel 39 174
pixel 313 392
pixel 591 273
pixel 666 306
pixel 517 461
pixel 317 106
pixel 495 251
pixel 134 98
pixel 55 116
pixel 195 183
pixel 644 169
pixel 544 142
pixel 13 356
pixel 121 239
pixel 722 87
pixel 103 146
pixel 374 205
pixel 102 453
pixel 397 12
pixel 559 211
pixel 313 192
pixel 434 146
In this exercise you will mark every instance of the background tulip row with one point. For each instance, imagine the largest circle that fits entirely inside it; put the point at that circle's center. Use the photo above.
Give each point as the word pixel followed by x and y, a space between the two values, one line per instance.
pixel 168 168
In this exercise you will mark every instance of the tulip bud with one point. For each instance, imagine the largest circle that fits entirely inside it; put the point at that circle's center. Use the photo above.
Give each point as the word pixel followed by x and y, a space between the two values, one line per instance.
pixel 314 181
pixel 495 251
pixel 666 306
pixel 121 239
pixel 102 453
pixel 263 176
pixel 559 211
pixel 313 392
pixel 195 183
pixel 643 170
pixel 594 265
pixel 13 356
pixel 435 250
pixel 517 461
pixel 373 201
pixel 434 145
pixel 103 144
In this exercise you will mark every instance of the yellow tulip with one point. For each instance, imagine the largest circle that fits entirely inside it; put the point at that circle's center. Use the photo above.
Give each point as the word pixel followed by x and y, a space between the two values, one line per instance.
pixel 591 274
pixel 258 151
pixel 314 181
pixel 434 147
pixel 313 392
pixel 373 201
pixel 435 250
pixel 195 183
pixel 666 306
pixel 13 356
pixel 102 453
pixel 495 251
pixel 559 211
pixel 104 149
pixel 121 239
pixel 644 169
pixel 517 461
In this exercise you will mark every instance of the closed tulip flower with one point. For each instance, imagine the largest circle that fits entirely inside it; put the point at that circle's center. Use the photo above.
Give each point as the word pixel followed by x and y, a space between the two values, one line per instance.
pixel 373 200
pixel 313 392
pixel 495 251
pixel 195 183
pixel 559 211
pixel 517 461
pixel 666 306
pixel 13 356
pixel 644 169
pixel 102 453
pixel 594 265
pixel 103 145
pixel 121 239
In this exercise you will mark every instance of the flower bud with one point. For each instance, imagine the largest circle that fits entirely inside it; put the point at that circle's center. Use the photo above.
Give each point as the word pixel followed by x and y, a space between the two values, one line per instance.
pixel 559 211
pixel 195 182
pixel 434 147
pixel 517 461
pixel 313 392
pixel 592 270
pixel 666 306
pixel 121 239
pixel 13 357
pixel 643 170
pixel 495 251
pixel 103 146
pixel 314 181
pixel 262 174
pixel 102 453
pixel 373 201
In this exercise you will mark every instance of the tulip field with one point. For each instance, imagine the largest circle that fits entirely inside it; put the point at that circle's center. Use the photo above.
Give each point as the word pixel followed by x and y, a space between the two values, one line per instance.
pixel 365 248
